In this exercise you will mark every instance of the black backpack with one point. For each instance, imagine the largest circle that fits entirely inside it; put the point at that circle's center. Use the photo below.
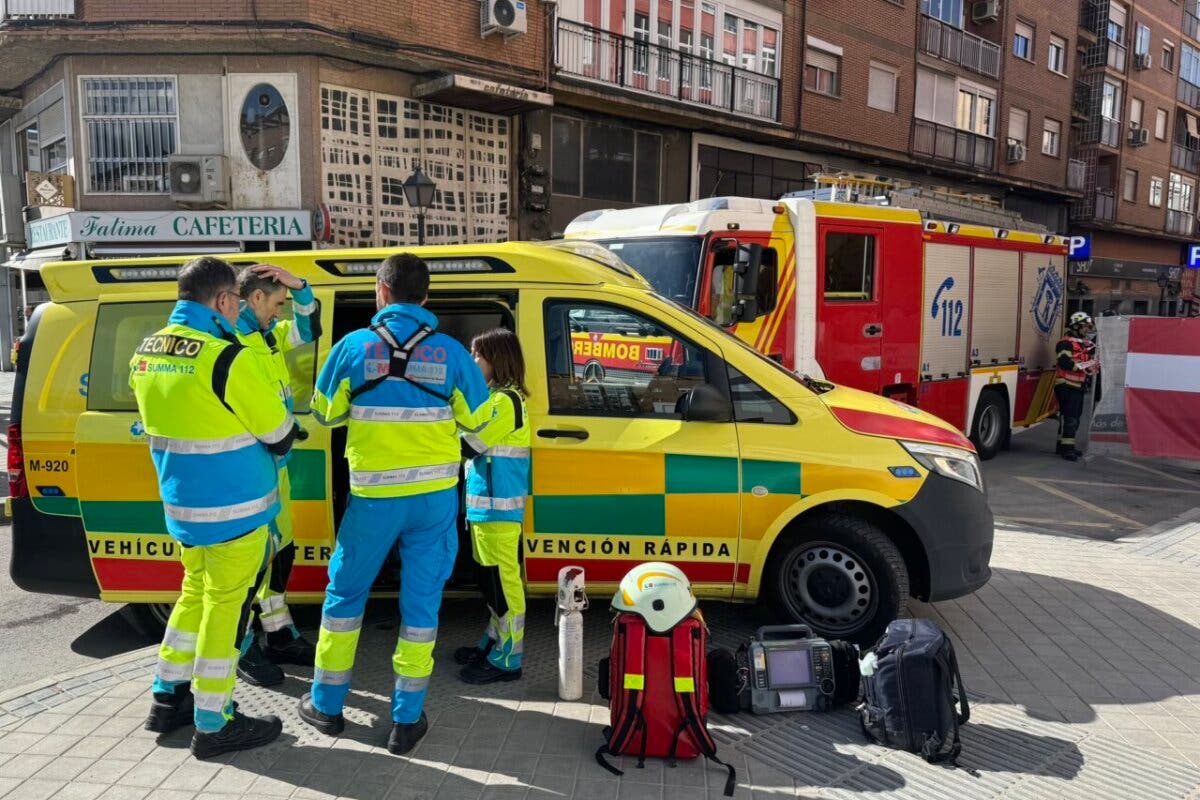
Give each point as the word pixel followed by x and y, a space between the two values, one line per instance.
pixel 915 699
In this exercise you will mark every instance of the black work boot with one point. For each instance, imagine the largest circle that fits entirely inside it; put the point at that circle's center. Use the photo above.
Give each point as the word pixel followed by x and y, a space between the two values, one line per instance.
pixel 485 671
pixel 170 712
pixel 289 647
pixel 255 669
pixel 325 723
pixel 470 654
pixel 240 733
pixel 405 735
pixel 1071 455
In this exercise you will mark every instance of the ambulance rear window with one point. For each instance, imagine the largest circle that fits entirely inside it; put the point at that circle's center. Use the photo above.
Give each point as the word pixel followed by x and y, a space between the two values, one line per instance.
pixel 120 327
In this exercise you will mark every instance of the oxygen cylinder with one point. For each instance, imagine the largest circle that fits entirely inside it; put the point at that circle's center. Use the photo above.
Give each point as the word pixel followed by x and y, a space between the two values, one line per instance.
pixel 568 618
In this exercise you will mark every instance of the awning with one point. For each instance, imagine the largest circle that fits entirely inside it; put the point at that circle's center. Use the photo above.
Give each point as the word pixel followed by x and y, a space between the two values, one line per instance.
pixel 467 91
pixel 33 260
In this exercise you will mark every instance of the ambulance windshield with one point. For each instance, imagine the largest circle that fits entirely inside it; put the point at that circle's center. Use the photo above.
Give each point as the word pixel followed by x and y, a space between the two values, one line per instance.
pixel 670 263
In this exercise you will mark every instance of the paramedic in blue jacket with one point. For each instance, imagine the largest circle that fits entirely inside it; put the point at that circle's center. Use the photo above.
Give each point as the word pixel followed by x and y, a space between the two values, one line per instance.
pixel 403 390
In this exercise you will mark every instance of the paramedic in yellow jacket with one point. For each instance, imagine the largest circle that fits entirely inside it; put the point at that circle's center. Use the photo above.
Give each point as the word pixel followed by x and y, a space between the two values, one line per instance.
pixel 264 289
pixel 403 390
pixel 497 485
pixel 215 428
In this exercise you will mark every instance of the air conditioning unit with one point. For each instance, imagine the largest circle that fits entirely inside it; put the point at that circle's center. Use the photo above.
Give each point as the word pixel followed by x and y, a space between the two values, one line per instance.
pixel 1139 136
pixel 199 180
pixel 502 16
pixel 985 11
pixel 1143 61
pixel 1016 152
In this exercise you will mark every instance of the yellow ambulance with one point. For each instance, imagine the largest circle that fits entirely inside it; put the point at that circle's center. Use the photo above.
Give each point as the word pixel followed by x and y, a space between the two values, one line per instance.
pixel 834 504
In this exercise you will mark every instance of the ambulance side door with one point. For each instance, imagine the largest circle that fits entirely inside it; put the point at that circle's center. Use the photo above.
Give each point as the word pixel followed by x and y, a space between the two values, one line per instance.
pixel 618 476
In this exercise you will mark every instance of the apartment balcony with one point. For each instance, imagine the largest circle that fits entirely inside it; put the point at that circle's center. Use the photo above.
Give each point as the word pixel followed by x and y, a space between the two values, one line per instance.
pixel 944 143
pixel 1191 19
pixel 1185 158
pixel 610 59
pixel 1180 222
pixel 1188 93
pixel 1110 132
pixel 1076 174
pixel 36 9
pixel 959 47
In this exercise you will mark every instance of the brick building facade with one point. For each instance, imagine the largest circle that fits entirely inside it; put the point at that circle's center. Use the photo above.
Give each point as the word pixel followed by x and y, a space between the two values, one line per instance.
pixel 584 104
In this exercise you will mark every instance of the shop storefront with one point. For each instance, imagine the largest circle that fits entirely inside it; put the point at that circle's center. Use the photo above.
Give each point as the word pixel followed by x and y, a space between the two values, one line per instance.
pixel 78 235
pixel 1101 282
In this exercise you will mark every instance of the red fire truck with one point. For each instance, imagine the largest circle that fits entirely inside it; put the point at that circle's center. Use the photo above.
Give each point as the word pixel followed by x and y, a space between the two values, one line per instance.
pixel 955 317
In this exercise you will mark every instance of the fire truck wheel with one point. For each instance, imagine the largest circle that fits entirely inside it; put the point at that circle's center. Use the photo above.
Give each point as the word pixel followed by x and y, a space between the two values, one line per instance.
pixel 990 429
pixel 148 619
pixel 840 575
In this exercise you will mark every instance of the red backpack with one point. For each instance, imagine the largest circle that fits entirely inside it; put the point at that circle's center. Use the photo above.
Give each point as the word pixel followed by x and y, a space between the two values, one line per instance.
pixel 657 691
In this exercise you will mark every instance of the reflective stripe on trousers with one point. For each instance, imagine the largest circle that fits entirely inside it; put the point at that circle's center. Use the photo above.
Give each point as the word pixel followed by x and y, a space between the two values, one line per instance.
pixel 495 503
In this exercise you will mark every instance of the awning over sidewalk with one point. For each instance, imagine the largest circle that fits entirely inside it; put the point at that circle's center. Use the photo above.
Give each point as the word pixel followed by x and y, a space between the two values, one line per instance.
pixel 33 260
pixel 467 91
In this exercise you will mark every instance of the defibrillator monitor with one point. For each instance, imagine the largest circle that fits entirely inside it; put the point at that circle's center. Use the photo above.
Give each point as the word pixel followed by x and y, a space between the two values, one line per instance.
pixel 789 670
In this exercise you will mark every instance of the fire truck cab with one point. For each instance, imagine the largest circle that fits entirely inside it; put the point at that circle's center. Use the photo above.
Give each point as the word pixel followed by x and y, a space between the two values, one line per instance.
pixel 957 318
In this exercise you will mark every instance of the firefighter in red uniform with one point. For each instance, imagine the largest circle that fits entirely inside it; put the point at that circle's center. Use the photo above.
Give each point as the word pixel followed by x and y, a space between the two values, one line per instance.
pixel 1076 364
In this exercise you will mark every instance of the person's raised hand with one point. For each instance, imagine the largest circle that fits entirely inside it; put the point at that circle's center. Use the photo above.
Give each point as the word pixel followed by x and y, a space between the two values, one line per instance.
pixel 278 274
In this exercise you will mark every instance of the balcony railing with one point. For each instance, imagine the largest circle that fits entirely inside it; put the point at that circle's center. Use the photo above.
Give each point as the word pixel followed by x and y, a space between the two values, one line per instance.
pixel 1185 158
pixel 1110 131
pixel 1181 222
pixel 36 9
pixel 639 65
pixel 1076 174
pixel 944 143
pixel 1188 93
pixel 959 47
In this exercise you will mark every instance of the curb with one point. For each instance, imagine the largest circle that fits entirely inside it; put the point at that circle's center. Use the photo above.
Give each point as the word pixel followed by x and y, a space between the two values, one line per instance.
pixel 42 695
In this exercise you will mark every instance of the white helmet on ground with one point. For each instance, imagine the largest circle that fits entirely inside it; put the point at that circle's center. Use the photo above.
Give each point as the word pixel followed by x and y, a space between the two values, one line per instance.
pixel 657 592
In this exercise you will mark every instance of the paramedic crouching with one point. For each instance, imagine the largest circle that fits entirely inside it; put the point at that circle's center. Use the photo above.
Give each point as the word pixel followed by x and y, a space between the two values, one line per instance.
pixel 403 390
pixel 215 426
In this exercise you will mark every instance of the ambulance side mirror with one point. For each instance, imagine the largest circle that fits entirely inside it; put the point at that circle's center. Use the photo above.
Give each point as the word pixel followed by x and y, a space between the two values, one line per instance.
pixel 705 403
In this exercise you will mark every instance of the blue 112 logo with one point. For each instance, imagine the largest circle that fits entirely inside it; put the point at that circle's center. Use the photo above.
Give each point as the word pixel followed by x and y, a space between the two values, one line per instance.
pixel 950 310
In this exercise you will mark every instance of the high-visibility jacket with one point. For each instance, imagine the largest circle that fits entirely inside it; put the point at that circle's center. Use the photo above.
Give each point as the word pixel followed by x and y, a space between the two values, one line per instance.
pixel 498 465
pixel 1074 361
pixel 281 337
pixel 402 436
pixel 213 423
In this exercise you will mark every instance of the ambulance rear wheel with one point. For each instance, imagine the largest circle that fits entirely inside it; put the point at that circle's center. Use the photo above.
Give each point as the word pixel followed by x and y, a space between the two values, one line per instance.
pixel 990 429
pixel 148 619
pixel 840 575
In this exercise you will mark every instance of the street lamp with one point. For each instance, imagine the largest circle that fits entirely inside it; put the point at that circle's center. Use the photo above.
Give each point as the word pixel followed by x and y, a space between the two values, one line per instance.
pixel 1164 280
pixel 418 193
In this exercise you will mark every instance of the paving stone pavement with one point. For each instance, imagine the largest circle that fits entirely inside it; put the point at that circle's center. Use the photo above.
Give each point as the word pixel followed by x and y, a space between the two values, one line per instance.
pixel 1079 657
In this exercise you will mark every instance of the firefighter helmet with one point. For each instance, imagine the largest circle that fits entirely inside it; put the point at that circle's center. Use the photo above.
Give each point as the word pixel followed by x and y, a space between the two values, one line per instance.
pixel 657 592
pixel 1080 319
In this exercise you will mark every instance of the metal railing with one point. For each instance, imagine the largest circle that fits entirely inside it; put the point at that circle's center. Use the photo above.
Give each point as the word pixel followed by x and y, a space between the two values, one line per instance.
pixel 596 55
pixel 36 9
pixel 1185 158
pixel 1076 174
pixel 1188 93
pixel 1110 131
pixel 1181 222
pixel 945 143
pixel 959 47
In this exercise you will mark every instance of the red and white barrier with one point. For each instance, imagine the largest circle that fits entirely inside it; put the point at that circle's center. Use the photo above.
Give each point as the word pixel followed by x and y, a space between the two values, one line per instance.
pixel 1162 387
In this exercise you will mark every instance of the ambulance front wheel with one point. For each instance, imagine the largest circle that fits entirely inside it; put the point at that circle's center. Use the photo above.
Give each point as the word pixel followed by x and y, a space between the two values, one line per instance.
pixel 840 575
pixel 148 619
pixel 990 429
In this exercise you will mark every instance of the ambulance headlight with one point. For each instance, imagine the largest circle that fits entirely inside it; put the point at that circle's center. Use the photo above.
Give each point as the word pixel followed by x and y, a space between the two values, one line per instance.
pixel 950 462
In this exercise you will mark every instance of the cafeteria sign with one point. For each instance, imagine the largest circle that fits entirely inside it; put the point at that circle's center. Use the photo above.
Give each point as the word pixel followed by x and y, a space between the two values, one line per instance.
pixel 170 226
